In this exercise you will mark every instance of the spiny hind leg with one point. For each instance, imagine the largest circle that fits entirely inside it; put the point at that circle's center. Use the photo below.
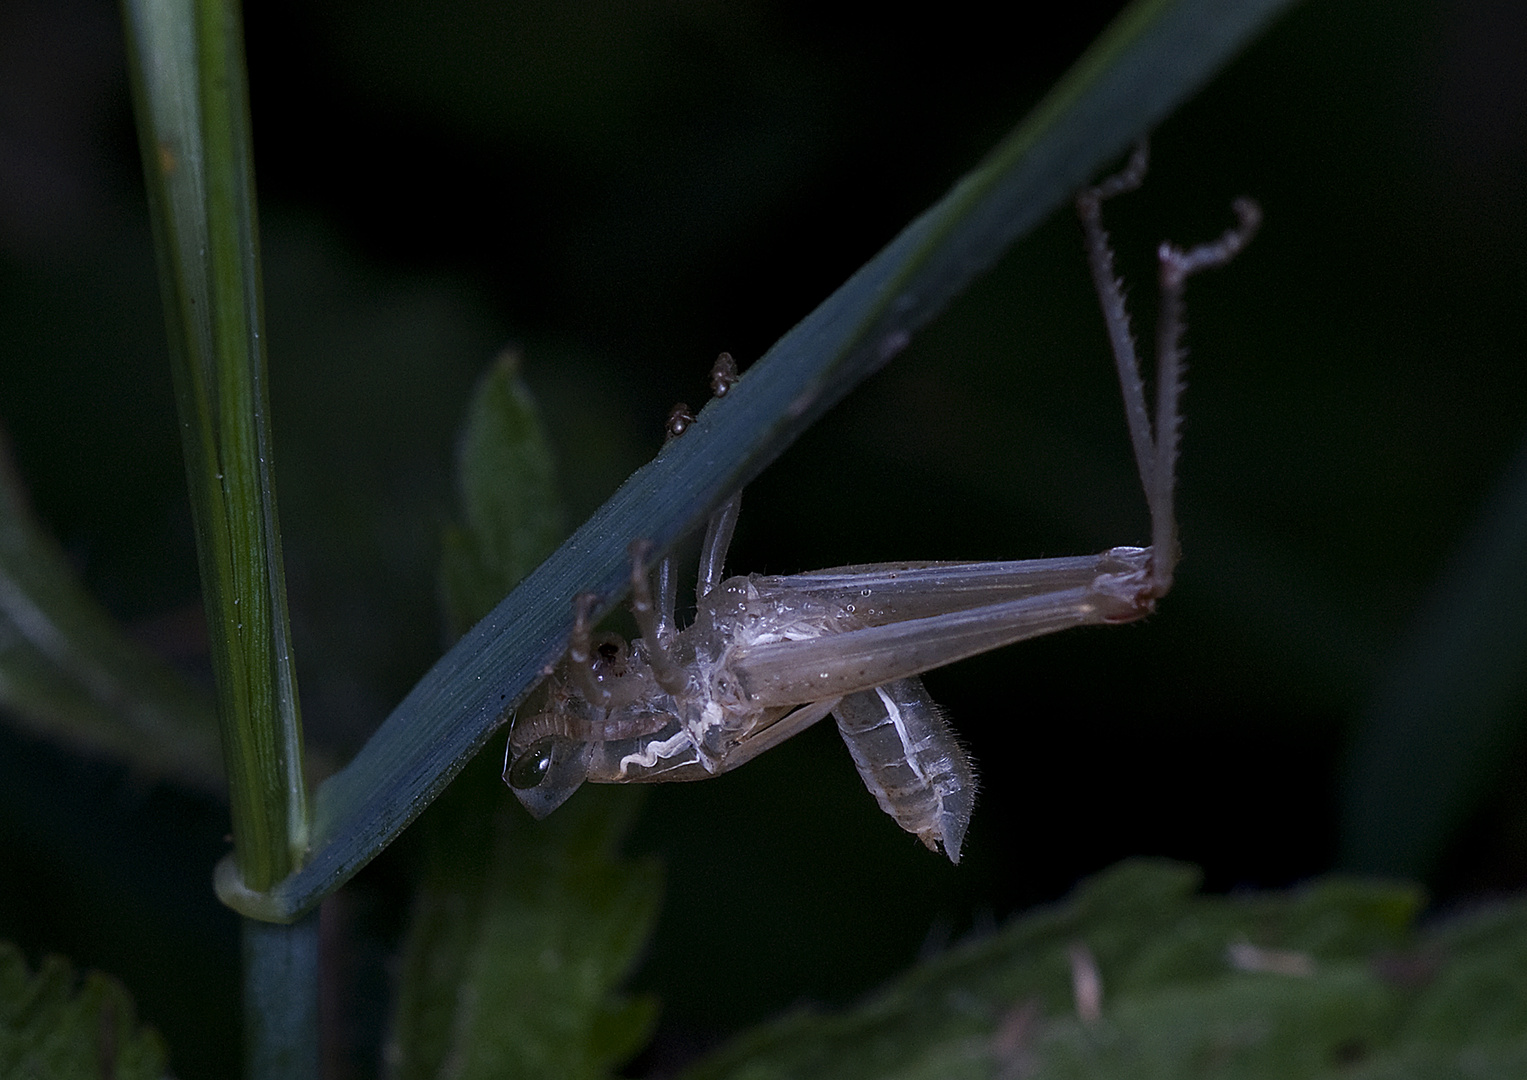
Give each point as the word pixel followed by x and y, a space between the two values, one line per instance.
pixel 1155 449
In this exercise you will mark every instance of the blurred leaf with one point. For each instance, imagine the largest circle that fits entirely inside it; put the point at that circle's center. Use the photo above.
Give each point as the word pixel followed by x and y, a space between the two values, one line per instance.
pixel 1328 980
pixel 521 930
pixel 506 485
pixel 69 673
pixel 520 933
pixel 54 1026
pixel 1155 55
pixel 1453 702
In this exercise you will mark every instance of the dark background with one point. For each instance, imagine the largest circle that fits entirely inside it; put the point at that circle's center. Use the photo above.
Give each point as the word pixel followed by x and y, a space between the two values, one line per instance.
pixel 625 190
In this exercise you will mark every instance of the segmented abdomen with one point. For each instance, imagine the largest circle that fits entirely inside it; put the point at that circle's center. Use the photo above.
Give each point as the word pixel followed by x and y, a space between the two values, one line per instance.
pixel 910 759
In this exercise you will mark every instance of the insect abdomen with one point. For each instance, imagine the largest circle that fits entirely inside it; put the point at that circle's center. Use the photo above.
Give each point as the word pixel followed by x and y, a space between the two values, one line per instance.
pixel 910 759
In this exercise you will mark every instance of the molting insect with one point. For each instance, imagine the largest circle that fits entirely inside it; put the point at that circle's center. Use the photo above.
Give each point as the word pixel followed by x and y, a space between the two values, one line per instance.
pixel 766 657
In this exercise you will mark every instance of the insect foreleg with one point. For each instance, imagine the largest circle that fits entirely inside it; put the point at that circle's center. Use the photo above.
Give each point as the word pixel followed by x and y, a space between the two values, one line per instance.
pixel 580 652
pixel 718 537
pixel 670 676
pixel 722 523
pixel 679 419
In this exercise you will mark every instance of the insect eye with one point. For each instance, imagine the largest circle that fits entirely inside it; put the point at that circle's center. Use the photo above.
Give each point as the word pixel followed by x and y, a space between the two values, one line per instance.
pixel 531 767
pixel 547 773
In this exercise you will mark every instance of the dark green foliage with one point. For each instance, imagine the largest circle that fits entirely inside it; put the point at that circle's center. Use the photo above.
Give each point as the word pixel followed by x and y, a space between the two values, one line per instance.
pixel 521 931
pixel 54 1026
pixel 69 673
pixel 507 492
pixel 1362 993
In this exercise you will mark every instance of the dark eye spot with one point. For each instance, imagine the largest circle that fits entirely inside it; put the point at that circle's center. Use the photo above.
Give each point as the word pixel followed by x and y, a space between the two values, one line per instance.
pixel 531 767
pixel 609 651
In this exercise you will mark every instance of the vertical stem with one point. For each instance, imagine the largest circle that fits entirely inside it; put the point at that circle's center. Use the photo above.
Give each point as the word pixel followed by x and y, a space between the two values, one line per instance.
pixel 186 61
pixel 281 999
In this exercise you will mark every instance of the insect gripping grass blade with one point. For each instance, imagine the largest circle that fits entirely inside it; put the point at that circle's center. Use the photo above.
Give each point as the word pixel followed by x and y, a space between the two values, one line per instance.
pixel 767 657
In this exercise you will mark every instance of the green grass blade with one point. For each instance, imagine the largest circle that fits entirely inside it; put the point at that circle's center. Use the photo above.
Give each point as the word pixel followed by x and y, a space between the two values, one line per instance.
pixel 67 671
pixel 1154 56
pixel 1441 728
pixel 186 61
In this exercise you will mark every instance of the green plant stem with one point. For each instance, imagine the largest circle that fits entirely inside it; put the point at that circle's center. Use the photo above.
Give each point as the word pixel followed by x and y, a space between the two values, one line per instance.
pixel 281 1000
pixel 188 76
pixel 187 66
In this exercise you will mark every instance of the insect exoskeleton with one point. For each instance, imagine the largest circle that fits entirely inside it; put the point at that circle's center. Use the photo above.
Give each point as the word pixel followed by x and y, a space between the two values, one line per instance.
pixel 767 657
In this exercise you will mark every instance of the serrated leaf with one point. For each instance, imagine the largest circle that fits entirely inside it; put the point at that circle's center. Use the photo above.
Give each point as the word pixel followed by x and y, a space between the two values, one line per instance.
pixel 1329 980
pixel 506 486
pixel 521 931
pixel 54 1026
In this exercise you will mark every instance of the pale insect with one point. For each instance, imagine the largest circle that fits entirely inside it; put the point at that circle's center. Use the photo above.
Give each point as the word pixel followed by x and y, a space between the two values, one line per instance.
pixel 766 657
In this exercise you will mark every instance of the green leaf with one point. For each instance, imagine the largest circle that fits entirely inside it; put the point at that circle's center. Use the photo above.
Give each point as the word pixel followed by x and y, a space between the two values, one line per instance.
pixel 55 1026
pixel 1154 56
pixel 506 485
pixel 68 672
pixel 1330 980
pixel 1173 1005
pixel 520 933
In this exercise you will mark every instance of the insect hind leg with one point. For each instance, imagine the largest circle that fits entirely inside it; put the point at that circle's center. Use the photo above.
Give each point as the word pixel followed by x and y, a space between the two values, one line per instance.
pixel 1155 446
pixel 1177 265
